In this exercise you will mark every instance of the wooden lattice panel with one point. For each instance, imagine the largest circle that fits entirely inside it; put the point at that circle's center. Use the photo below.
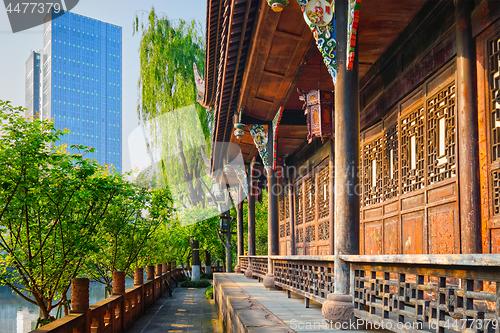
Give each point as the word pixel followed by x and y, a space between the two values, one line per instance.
pixel 495 175
pixel 309 279
pixel 412 150
pixel 286 201
pixel 324 231
pixel 299 204
pixel 259 266
pixel 391 163
pixel 299 235
pixel 310 233
pixel 494 92
pixel 433 299
pixel 281 203
pixel 282 230
pixel 372 173
pixel 310 201
pixel 441 143
pixel 323 192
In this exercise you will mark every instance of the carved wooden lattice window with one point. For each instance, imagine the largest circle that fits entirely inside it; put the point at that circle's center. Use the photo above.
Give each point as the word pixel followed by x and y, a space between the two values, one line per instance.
pixel 412 150
pixel 441 161
pixel 286 200
pixel 496 191
pixel 310 233
pixel 372 175
pixel 287 227
pixel 324 231
pixel 391 163
pixel 323 192
pixel 310 205
pixel 281 203
pixel 282 230
pixel 299 205
pixel 494 93
pixel 299 236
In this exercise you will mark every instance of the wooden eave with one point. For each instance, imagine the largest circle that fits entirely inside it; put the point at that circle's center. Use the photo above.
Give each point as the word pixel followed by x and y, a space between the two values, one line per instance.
pixel 282 56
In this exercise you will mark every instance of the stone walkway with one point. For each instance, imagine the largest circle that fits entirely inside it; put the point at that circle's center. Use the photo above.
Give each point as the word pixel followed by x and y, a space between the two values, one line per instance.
pixel 188 310
pixel 291 311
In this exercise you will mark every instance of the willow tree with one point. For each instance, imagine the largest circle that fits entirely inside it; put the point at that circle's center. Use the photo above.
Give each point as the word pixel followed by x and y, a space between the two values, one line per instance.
pixel 168 51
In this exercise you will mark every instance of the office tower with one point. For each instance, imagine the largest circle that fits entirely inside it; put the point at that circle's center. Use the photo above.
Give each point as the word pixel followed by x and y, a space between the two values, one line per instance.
pixel 32 85
pixel 81 83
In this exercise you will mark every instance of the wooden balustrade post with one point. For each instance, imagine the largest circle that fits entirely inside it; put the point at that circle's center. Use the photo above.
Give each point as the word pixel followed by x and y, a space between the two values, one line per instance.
pixel 273 222
pixel 158 276
pixel 339 306
pixel 164 268
pixel 139 281
pixel 80 299
pixel 119 289
pixel 138 276
pixel 150 275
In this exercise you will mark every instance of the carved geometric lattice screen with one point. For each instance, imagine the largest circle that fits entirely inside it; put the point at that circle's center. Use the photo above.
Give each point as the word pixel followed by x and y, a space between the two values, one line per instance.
pixel 441 147
pixel 391 181
pixel 495 176
pixel 310 233
pixel 372 172
pixel 299 205
pixel 324 231
pixel 281 203
pixel 323 192
pixel 412 150
pixel 310 201
pixel 282 230
pixel 494 91
pixel 299 235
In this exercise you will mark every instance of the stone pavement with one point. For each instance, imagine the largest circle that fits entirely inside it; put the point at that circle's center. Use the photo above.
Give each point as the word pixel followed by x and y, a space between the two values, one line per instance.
pixel 291 311
pixel 188 310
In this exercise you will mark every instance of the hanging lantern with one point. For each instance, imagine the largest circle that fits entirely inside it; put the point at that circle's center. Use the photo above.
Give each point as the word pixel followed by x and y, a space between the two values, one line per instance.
pixel 277 5
pixel 319 108
pixel 239 131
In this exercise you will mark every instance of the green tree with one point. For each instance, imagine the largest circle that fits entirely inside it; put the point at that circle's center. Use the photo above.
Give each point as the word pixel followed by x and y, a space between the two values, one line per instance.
pixel 51 205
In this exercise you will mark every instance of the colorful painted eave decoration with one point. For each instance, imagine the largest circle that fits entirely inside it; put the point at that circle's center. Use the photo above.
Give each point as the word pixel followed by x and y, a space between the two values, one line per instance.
pixel 352 30
pixel 320 17
pixel 259 135
pixel 276 124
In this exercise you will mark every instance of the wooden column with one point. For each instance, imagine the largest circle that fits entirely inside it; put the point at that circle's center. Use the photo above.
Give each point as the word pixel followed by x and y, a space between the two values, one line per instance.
pixel 208 262
pixel 272 209
pixel 331 203
pixel 339 306
pixel 291 207
pixel 239 232
pixel 195 261
pixel 468 155
pixel 251 218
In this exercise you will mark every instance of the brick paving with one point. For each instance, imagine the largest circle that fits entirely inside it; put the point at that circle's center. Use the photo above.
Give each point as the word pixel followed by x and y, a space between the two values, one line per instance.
pixel 187 310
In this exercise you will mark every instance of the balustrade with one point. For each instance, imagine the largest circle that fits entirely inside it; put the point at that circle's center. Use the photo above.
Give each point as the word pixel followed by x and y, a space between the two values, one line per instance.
pixel 116 313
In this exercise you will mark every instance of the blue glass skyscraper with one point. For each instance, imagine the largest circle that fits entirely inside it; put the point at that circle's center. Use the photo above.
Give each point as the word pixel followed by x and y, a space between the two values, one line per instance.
pixel 81 83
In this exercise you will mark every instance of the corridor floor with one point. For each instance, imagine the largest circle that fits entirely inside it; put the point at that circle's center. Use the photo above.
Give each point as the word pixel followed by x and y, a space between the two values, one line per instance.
pixel 187 310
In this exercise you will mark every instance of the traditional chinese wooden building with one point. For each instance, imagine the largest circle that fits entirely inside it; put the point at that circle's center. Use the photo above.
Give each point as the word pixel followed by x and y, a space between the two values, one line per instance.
pixel 398 211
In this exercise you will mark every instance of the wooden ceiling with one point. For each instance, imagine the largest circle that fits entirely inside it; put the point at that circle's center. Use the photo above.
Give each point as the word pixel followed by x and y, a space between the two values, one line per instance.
pixel 283 57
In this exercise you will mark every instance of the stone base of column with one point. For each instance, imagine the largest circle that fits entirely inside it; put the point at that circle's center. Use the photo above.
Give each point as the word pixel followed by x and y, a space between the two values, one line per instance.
pixel 195 275
pixel 249 273
pixel 269 281
pixel 338 308
pixel 237 269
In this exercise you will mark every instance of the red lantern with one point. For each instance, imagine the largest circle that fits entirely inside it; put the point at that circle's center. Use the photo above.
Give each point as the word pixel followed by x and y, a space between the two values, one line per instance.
pixel 319 108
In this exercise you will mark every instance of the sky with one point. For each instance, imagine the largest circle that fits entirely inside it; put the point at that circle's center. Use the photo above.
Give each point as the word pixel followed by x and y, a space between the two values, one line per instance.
pixel 16 47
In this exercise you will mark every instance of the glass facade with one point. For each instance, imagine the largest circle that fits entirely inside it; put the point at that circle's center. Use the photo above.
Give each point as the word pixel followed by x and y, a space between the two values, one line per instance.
pixel 82 83
pixel 32 81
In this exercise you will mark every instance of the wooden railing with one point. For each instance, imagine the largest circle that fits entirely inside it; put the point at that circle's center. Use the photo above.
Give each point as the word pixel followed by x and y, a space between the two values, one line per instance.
pixel 428 292
pixel 116 313
pixel 244 263
pixel 402 293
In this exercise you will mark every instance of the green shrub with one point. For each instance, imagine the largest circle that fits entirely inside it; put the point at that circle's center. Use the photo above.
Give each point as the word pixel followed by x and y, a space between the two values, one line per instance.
pixel 195 284
pixel 209 292
pixel 208 276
